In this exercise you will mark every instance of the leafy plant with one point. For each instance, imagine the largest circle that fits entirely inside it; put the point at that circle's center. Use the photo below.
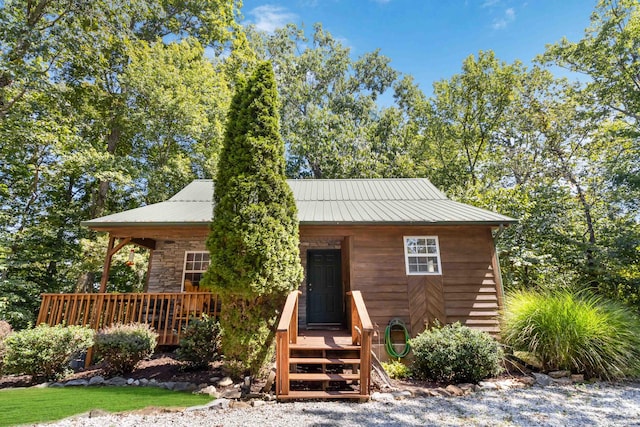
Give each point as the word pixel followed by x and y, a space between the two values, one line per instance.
pixel 455 353
pixel 122 346
pixel 575 331
pixel 45 351
pixel 5 330
pixel 200 342
pixel 396 369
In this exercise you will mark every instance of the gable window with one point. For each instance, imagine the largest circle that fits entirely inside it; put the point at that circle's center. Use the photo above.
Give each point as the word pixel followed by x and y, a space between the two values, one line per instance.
pixel 195 264
pixel 422 255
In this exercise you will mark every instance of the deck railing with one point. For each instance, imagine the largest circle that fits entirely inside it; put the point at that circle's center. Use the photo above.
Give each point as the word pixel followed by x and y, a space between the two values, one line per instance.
pixel 287 333
pixel 362 334
pixel 167 313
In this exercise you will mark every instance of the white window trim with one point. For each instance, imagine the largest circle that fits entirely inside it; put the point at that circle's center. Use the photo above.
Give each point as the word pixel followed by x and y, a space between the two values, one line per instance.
pixel 407 255
pixel 184 266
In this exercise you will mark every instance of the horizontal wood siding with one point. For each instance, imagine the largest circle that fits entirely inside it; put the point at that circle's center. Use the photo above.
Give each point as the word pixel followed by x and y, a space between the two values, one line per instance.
pixel 467 291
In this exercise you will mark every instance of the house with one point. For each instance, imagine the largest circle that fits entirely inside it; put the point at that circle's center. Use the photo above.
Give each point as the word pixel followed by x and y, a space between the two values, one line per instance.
pixel 411 252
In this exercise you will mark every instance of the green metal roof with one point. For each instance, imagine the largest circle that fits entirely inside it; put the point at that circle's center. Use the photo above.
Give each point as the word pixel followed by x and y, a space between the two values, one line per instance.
pixel 328 201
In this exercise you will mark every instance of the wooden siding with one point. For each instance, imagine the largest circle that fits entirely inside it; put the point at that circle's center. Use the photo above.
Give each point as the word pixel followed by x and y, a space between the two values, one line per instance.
pixel 468 290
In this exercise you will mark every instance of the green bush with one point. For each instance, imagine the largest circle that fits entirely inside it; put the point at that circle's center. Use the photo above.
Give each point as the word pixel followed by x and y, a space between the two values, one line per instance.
pixel 396 369
pixel 574 331
pixel 5 330
pixel 45 351
pixel 455 353
pixel 121 347
pixel 200 342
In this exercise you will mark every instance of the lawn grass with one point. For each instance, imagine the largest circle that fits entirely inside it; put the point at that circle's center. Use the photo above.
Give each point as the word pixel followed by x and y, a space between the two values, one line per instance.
pixel 34 405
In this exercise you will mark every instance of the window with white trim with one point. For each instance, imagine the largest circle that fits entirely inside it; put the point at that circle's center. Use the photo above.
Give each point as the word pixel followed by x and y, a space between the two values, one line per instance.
pixel 422 255
pixel 195 264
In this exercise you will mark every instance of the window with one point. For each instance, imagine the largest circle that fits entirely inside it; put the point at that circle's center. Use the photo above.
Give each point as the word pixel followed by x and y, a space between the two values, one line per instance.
pixel 195 263
pixel 422 255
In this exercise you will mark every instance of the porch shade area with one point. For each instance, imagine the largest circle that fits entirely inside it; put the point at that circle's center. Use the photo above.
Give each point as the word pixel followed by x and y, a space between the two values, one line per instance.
pixel 167 313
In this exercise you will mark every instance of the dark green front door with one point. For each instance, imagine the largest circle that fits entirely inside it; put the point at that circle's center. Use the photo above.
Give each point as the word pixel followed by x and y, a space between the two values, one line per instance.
pixel 324 288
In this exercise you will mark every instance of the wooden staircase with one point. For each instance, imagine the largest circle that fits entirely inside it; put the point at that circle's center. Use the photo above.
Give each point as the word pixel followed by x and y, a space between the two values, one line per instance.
pixel 323 364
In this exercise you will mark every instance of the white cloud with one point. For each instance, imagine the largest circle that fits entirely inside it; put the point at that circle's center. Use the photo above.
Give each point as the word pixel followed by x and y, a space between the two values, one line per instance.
pixel 502 23
pixel 269 17
pixel 490 3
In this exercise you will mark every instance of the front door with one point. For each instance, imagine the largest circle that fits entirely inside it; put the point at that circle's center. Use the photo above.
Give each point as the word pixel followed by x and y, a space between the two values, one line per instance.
pixel 324 288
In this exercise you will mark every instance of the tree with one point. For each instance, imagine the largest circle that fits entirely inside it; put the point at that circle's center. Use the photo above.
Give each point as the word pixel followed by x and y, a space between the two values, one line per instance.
pixel 255 260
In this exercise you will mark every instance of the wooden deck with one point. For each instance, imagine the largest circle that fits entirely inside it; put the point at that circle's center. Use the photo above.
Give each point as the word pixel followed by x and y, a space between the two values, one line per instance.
pixel 167 313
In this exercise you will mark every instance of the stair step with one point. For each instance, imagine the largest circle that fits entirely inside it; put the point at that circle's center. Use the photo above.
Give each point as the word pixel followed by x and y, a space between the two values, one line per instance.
pixel 323 361
pixel 323 377
pixel 323 346
pixel 319 394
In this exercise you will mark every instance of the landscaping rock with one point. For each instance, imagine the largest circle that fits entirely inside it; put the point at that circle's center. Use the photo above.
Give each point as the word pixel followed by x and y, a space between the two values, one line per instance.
pixel 382 397
pixel 225 382
pixel 214 379
pixel 153 383
pixel 454 390
pixel 400 395
pixel 487 385
pixel 76 383
pixel 232 394
pixel 258 403
pixel 97 380
pixel 577 378
pixel 529 381
pixel 168 385
pixel 239 405
pixel 542 379
pixel 130 381
pixel 559 374
pixel 144 382
pixel 440 392
pixel 270 380
pixel 210 390
pixel 563 381
pixel 247 381
pixel 117 381
pixel 467 388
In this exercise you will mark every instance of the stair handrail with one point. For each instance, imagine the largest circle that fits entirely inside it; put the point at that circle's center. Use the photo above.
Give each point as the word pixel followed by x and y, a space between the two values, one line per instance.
pixel 286 333
pixel 362 333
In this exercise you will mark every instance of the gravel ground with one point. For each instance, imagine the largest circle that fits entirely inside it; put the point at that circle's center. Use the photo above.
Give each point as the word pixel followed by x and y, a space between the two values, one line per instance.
pixel 580 405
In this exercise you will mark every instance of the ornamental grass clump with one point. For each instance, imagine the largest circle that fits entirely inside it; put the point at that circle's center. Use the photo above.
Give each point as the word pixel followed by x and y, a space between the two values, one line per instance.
pixel 44 352
pixel 572 331
pixel 455 353
pixel 121 347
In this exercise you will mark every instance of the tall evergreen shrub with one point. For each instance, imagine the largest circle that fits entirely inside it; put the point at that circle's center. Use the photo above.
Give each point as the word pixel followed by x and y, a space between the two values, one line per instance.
pixel 253 241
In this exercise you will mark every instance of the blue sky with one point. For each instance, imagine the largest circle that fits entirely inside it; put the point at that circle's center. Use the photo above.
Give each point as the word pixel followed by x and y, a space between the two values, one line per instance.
pixel 429 39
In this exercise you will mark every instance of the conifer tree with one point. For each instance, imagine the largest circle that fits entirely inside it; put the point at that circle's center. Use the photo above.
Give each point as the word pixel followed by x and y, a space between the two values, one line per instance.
pixel 253 241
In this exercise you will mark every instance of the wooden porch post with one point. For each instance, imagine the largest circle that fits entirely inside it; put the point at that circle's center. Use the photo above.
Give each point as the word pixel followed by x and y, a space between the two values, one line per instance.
pixel 111 251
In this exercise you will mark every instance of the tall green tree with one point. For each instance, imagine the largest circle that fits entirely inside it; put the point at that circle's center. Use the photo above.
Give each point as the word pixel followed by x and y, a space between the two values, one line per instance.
pixel 255 260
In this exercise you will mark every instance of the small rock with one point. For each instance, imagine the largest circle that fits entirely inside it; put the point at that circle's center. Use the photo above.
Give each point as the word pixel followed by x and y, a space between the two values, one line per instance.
pixel 144 382
pixel 94 413
pixel 210 390
pixel 508 384
pixel 225 382
pixel 467 387
pixel 527 381
pixel 247 381
pixel 214 379
pixel 440 392
pixel 563 381
pixel 542 379
pixel 232 394
pixel 117 381
pixel 454 390
pixel 559 374
pixel 401 395
pixel 257 403
pixel 270 380
pixel 130 381
pixel 577 378
pixel 239 405
pixel 97 380
pixel 77 383
pixel 487 385
pixel 382 397
pixel 153 383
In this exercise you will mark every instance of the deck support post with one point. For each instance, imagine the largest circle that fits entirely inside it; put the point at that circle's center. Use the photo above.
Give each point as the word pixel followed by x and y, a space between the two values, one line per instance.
pixel 112 249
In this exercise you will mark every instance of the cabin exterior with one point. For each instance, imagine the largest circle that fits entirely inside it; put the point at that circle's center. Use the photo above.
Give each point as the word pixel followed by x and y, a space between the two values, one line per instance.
pixel 400 245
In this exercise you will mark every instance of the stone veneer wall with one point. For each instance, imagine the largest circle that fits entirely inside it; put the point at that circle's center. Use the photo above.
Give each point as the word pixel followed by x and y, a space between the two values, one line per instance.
pixel 311 243
pixel 167 263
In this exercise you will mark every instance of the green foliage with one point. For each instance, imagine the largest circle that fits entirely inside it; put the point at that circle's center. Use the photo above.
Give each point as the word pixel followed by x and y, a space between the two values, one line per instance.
pixel 397 370
pixel 455 353
pixel 121 347
pixel 18 408
pixel 200 342
pixel 44 351
pixel 19 302
pixel 579 332
pixel 255 260
pixel 5 330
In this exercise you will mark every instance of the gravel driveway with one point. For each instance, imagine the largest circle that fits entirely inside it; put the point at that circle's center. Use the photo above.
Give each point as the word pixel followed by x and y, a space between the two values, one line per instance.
pixel 580 405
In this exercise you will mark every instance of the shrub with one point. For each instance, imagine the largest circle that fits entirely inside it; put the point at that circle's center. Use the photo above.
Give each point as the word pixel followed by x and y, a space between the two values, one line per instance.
pixel 5 330
pixel 574 331
pixel 45 351
pixel 396 369
pixel 455 353
pixel 122 346
pixel 200 342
